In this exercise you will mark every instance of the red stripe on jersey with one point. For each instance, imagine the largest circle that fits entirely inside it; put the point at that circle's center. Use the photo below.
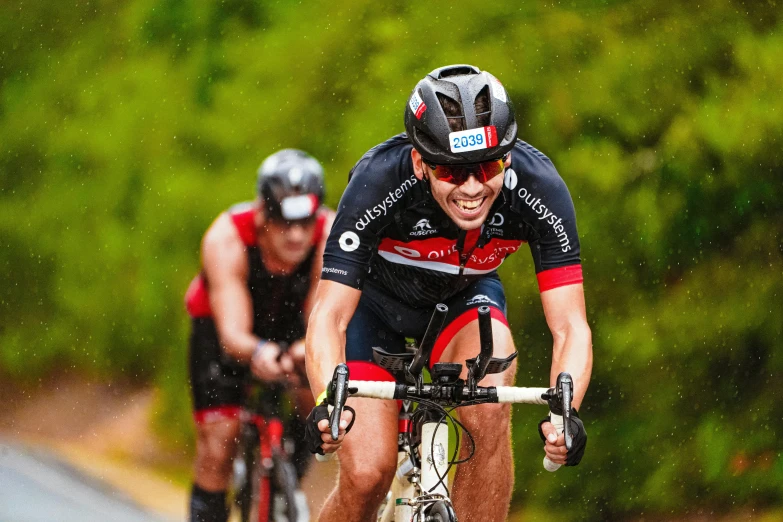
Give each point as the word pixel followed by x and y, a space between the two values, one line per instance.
pixel 458 324
pixel 197 298
pixel 216 414
pixel 245 223
pixel 440 254
pixel 557 277
pixel 470 239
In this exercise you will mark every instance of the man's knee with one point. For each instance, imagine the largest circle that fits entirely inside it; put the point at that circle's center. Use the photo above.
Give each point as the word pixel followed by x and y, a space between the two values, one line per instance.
pixel 491 420
pixel 367 479
pixel 215 448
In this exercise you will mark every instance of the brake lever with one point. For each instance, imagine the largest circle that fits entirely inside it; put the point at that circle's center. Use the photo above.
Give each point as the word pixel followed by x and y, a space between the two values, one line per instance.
pixel 339 394
pixel 565 385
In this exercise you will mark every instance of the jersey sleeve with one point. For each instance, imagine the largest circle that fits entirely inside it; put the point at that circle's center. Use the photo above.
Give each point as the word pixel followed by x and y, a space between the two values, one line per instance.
pixel 546 202
pixel 374 193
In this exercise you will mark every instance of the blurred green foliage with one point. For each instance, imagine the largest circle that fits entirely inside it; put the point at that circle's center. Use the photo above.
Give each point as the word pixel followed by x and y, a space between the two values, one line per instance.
pixel 126 127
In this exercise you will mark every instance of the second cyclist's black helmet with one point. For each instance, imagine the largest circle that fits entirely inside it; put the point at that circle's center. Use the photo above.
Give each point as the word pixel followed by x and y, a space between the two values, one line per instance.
pixel 427 124
pixel 290 183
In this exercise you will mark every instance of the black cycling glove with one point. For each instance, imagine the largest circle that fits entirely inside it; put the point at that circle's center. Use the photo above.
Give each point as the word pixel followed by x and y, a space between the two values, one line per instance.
pixel 312 433
pixel 579 438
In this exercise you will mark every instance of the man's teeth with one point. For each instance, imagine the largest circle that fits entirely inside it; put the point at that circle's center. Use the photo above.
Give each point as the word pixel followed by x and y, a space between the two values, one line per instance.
pixel 468 205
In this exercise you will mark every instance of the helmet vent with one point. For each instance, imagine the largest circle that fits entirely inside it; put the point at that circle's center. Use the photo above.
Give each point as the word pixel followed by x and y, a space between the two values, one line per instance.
pixel 482 107
pixel 457 70
pixel 453 110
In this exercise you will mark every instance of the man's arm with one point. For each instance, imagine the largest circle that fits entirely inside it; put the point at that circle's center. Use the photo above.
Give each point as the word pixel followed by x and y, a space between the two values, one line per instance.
pixel 334 306
pixel 224 261
pixel 572 351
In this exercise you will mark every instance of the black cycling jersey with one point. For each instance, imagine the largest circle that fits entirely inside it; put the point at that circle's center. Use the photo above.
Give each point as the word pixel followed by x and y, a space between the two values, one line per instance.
pixel 391 231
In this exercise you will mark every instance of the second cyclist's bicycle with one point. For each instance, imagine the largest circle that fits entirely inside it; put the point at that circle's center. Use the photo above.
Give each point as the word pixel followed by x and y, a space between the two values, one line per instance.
pixel 266 480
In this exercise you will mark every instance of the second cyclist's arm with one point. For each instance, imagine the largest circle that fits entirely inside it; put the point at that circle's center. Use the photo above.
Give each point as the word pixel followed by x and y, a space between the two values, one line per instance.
pixel 334 306
pixel 224 261
pixel 564 308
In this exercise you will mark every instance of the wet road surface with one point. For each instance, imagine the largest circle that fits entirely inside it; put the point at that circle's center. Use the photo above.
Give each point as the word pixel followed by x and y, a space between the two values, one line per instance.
pixel 37 487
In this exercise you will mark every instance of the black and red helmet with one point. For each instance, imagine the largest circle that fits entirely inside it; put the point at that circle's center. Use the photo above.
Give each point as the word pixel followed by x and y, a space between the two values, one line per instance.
pixel 291 185
pixel 488 133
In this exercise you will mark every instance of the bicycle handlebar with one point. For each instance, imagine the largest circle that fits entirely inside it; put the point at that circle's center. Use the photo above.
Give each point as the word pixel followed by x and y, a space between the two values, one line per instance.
pixel 454 395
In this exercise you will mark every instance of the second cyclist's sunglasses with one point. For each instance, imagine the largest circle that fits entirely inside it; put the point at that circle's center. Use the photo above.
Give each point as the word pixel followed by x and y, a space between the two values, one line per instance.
pixel 459 174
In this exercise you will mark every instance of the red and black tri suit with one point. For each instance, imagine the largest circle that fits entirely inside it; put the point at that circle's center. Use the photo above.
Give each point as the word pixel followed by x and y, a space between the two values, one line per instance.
pixel 278 315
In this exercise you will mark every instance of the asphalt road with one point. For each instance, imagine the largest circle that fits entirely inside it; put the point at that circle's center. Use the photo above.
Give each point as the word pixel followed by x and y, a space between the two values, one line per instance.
pixel 37 487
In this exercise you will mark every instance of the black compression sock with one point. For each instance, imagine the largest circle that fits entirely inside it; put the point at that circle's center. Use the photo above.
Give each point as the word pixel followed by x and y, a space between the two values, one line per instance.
pixel 207 506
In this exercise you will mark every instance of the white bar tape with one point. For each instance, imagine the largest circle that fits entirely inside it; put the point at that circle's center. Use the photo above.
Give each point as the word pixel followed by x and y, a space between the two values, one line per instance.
pixel 525 395
pixel 557 421
pixel 373 389
pixel 325 458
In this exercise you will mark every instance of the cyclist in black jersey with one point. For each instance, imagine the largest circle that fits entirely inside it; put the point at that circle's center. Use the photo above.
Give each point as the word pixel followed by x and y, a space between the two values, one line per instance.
pixel 261 262
pixel 427 217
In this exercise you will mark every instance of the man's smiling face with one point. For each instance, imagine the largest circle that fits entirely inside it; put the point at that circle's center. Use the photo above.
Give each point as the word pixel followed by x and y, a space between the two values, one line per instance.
pixel 468 204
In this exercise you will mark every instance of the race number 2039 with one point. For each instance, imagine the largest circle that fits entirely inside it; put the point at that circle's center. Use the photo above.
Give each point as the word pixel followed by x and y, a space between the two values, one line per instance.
pixel 473 139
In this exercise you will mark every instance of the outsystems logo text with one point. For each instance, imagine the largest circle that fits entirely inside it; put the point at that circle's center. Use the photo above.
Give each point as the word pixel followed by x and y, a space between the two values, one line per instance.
pixel 545 214
pixel 382 208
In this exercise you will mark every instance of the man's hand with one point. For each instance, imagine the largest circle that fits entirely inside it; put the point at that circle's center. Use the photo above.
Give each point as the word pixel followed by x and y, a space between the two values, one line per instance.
pixel 319 435
pixel 297 353
pixel 554 443
pixel 269 365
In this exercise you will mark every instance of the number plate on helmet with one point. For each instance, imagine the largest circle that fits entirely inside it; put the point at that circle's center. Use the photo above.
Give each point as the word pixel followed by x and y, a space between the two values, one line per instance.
pixel 473 139
pixel 417 105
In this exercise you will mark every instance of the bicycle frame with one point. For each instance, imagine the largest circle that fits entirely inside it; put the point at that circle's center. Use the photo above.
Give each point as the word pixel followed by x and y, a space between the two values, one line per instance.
pixel 270 439
pixel 263 414
pixel 414 487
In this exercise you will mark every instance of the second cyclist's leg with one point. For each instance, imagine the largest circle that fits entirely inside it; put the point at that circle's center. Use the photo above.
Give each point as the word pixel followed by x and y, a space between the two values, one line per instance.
pixel 368 458
pixel 215 449
pixel 216 413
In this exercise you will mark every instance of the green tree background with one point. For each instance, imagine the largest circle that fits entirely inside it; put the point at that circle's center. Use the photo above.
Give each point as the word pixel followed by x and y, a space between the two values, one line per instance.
pixel 126 127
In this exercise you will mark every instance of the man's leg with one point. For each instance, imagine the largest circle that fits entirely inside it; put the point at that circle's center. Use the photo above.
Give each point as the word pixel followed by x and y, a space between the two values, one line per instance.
pixel 216 412
pixel 368 459
pixel 216 443
pixel 483 485
pixel 368 456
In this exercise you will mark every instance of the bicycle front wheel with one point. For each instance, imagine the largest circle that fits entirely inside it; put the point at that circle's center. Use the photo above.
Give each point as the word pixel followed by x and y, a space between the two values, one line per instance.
pixel 440 511
pixel 289 502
